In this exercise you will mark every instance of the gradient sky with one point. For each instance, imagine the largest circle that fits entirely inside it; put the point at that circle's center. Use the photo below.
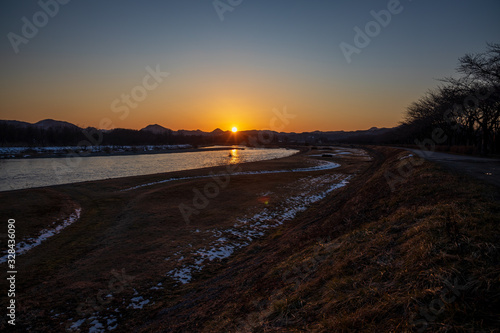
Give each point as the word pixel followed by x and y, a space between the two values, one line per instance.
pixel 265 54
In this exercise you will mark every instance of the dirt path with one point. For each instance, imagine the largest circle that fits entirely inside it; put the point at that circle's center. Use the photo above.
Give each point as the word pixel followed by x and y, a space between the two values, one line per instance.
pixel 487 169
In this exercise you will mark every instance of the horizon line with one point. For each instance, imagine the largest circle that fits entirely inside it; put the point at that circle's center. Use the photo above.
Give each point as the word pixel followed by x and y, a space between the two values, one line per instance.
pixel 192 130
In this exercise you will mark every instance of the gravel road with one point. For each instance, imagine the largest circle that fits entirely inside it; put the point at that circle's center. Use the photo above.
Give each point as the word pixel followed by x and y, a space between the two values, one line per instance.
pixel 487 169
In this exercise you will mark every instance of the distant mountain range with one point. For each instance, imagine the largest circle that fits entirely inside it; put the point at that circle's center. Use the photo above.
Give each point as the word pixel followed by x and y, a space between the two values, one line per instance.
pixel 158 130
pixel 45 124
pixel 332 135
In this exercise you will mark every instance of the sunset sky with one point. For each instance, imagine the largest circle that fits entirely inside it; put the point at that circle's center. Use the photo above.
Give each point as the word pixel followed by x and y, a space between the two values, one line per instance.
pixel 265 54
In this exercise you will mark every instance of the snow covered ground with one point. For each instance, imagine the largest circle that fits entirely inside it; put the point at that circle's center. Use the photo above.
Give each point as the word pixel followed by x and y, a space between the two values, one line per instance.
pixel 26 151
pixel 405 157
pixel 223 242
pixel 246 229
pixel 342 152
pixel 30 242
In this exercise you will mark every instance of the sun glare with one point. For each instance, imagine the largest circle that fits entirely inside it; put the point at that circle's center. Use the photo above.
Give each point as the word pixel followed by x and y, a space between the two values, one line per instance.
pixel 234 129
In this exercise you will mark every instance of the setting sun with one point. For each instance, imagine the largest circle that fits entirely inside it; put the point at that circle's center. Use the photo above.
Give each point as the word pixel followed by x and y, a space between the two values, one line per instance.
pixel 234 129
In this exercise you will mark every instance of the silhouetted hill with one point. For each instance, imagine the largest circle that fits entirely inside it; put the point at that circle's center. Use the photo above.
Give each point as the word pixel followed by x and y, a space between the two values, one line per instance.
pixel 156 129
pixel 15 123
pixel 217 131
pixel 191 133
pixel 51 123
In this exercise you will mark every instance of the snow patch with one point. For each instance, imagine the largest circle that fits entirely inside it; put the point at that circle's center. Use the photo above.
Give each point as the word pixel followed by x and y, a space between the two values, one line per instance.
pixel 405 157
pixel 246 229
pixel 94 149
pixel 138 302
pixel 96 327
pixel 30 242
pixel 77 324
pixel 182 275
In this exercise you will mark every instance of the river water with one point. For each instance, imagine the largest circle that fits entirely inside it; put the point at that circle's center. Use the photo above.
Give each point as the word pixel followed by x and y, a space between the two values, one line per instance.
pixel 36 172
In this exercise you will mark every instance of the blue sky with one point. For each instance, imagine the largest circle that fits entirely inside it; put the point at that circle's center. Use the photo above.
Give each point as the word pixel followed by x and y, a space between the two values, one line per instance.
pixel 263 55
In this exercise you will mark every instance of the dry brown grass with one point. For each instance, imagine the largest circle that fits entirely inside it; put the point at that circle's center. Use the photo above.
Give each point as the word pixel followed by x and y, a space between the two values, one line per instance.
pixel 370 260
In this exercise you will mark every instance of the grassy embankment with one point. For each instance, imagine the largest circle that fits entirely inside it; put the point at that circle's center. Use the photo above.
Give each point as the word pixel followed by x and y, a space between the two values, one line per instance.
pixel 423 257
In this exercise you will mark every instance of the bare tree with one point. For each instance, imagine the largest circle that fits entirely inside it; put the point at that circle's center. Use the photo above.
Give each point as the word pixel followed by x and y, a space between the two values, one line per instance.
pixel 468 107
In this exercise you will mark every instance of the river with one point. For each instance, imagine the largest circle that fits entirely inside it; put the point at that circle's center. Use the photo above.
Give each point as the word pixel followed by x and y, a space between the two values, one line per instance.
pixel 36 172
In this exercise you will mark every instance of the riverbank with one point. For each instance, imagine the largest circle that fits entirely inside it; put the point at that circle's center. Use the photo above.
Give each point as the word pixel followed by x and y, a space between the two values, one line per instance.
pixel 239 249
pixel 63 152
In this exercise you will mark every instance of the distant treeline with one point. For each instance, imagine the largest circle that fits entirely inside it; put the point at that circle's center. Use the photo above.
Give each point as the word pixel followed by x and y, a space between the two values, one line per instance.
pixel 463 111
pixel 33 136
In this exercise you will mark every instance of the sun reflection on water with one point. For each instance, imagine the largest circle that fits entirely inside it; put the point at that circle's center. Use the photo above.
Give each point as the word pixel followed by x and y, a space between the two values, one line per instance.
pixel 234 155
